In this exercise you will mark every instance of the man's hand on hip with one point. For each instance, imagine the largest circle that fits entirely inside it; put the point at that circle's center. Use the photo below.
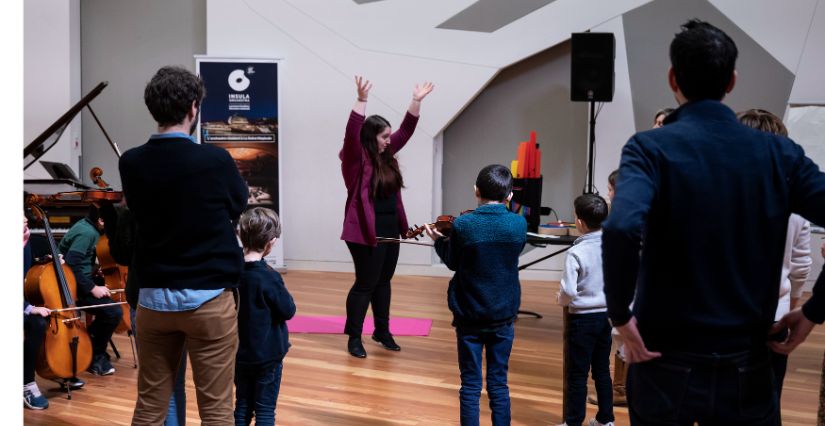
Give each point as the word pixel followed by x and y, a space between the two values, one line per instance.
pixel 799 327
pixel 634 346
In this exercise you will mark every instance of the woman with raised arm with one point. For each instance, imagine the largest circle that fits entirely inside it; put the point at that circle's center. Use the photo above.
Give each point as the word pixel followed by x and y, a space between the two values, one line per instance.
pixel 373 209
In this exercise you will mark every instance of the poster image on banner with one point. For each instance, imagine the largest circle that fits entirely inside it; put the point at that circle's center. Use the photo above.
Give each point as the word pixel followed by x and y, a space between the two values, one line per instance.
pixel 240 114
pixel 241 103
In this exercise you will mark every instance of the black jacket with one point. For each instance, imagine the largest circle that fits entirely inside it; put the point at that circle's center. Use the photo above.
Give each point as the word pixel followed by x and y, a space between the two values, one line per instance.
pixel 263 309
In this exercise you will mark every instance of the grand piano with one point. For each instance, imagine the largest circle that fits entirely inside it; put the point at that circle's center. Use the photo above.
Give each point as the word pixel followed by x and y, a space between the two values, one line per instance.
pixel 64 198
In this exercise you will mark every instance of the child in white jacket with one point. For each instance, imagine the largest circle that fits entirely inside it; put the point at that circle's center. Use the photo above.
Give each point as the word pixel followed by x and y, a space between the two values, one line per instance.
pixel 797 261
pixel 588 334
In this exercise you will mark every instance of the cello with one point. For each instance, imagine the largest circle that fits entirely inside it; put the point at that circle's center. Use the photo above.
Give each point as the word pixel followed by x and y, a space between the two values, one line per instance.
pixel 67 348
pixel 114 277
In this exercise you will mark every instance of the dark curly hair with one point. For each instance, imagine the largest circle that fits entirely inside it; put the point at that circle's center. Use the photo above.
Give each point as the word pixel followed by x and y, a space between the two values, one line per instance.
pixel 170 94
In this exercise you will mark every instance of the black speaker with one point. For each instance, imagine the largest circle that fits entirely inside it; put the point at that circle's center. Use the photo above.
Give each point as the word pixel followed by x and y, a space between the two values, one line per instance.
pixel 591 67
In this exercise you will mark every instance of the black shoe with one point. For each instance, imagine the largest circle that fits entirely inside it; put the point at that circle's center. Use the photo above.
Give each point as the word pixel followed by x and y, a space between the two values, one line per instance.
pixel 74 383
pixel 356 348
pixel 101 366
pixel 387 342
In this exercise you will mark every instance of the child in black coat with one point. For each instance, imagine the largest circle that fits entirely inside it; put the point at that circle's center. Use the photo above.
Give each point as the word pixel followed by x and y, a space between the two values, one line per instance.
pixel 265 306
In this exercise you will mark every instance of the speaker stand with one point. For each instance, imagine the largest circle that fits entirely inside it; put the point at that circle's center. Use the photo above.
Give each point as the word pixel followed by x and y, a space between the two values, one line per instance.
pixel 590 186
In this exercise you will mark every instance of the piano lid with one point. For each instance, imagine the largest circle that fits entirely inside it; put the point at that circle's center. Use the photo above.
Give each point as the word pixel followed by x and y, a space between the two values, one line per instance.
pixel 51 135
pixel 52 186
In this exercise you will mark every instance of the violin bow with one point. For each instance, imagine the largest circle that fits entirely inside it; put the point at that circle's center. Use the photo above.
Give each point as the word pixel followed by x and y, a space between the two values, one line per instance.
pixel 400 241
pixel 78 308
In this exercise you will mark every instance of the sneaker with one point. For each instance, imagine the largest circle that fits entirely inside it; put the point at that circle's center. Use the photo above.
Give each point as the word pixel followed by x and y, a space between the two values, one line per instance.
pixel 356 348
pixel 594 422
pixel 101 366
pixel 387 342
pixel 32 397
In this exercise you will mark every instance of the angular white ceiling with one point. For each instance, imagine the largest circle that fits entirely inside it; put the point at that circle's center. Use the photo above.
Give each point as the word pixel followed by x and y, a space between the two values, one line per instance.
pixel 809 87
pixel 378 26
pixel 780 27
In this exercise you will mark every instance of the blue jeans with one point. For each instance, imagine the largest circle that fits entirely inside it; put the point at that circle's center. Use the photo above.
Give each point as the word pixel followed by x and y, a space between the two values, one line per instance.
pixel 498 344
pixel 177 403
pixel 256 392
pixel 588 349
pixel 711 389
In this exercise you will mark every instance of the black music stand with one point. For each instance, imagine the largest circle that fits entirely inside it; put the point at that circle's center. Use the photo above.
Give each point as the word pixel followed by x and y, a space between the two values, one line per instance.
pixel 561 240
pixel 527 201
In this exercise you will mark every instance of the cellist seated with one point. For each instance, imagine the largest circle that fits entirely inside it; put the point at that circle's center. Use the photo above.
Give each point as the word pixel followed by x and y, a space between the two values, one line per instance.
pixel 35 323
pixel 78 248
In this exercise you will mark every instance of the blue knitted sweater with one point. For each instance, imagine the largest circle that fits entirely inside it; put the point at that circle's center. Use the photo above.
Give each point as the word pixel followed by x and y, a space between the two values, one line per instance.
pixel 483 250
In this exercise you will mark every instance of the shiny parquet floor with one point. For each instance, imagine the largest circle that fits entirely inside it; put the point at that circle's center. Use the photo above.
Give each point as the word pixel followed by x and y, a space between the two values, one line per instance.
pixel 323 385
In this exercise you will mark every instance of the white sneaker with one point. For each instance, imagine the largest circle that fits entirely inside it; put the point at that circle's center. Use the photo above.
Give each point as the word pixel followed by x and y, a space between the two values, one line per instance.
pixel 594 422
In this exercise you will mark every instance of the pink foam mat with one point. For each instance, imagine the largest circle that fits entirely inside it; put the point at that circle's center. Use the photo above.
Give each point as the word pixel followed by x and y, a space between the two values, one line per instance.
pixel 335 325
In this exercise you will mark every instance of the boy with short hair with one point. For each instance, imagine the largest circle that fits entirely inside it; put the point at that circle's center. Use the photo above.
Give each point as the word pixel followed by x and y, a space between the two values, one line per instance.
pixel 588 334
pixel 485 293
pixel 264 307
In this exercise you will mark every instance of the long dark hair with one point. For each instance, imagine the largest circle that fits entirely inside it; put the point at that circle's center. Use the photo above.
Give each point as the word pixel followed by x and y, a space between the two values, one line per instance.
pixel 386 176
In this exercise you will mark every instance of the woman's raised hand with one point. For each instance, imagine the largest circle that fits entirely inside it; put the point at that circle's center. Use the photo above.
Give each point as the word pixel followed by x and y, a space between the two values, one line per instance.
pixel 420 92
pixel 364 87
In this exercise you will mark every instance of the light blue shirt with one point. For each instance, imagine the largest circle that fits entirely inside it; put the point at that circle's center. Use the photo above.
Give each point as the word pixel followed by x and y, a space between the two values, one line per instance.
pixel 175 300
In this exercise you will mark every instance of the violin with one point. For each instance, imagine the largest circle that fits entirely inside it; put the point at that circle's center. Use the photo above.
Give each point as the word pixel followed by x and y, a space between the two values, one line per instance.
pixel 82 198
pixel 67 348
pixel 442 224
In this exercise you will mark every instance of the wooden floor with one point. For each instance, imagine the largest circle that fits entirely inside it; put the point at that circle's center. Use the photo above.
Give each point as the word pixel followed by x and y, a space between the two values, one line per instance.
pixel 323 385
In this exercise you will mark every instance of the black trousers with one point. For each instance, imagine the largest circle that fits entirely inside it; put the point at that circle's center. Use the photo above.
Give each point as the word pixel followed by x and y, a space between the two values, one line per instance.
pixel 681 388
pixel 34 331
pixel 588 350
pixel 104 324
pixel 780 366
pixel 374 268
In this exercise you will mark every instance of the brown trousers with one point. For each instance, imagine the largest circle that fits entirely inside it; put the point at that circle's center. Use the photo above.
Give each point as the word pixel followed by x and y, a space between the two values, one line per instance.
pixel 210 334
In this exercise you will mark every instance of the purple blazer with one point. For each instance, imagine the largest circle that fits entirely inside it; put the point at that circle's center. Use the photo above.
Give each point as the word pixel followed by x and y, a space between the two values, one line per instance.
pixel 356 167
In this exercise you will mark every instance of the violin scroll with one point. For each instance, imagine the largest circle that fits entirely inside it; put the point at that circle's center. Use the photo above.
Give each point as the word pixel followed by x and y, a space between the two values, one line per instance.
pixel 96 173
pixel 443 223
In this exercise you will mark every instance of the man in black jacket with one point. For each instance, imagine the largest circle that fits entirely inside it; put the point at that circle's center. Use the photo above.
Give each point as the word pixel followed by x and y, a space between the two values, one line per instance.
pixel 707 201
pixel 183 197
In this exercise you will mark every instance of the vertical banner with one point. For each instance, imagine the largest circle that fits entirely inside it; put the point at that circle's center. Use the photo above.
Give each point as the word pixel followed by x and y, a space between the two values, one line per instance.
pixel 240 114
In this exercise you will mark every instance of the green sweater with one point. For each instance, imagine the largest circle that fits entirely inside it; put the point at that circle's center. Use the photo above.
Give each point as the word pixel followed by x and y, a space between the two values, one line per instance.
pixel 78 249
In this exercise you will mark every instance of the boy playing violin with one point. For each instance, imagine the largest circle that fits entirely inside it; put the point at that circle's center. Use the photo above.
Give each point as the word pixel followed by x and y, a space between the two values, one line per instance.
pixel 485 293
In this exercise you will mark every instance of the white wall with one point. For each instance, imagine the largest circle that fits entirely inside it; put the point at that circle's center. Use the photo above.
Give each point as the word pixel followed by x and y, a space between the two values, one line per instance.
pixel 615 123
pixel 121 45
pixel 808 87
pixel 51 84
pixel 323 44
